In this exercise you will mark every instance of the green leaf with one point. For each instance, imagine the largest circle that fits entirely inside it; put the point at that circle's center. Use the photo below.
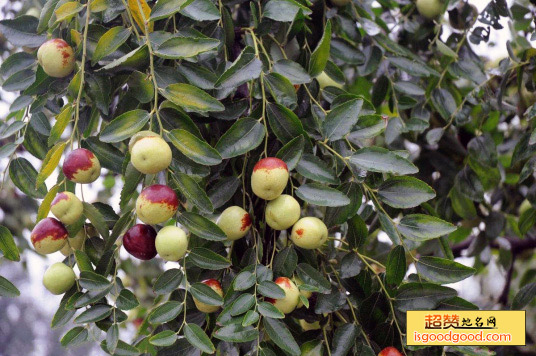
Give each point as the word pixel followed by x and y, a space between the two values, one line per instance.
pixel 242 304
pixel 281 89
pixel 245 68
pixel 168 281
pixel 165 312
pixel 75 337
pixel 22 31
pixel 292 152
pixel 112 337
pixel 312 167
pixel 320 56
pixel 201 10
pixel 62 120
pixel 110 42
pixel 292 71
pixel 207 259
pixel 163 338
pixel 126 300
pixel 344 339
pixel 524 296
pixel 67 10
pixel 284 10
pixel 312 277
pixel 124 126
pixel 63 315
pixel 462 205
pixel 280 335
pixel 340 119
pixel 166 8
pixel 269 310
pixel 317 194
pixel 420 227
pixel 377 159
pixel 395 268
pixel 44 208
pixel 417 296
pixel 8 289
pixel 83 261
pixel 196 149
pixel 19 81
pixel 94 314
pixel 198 338
pixel 205 294
pixel 527 220
pixel 271 290
pixel 7 245
pixel 191 98
pixel 357 232
pixel 193 192
pixel 186 47
pixel 285 262
pixel 223 190
pixel 97 219
pixel 339 215
pixel 50 163
pixel 237 333
pixel 24 176
pixel 405 192
pixel 250 318
pixel 201 226
pixel 244 280
pixel 442 270
pixel 444 103
pixel 93 282
pixel 283 122
pixel 245 135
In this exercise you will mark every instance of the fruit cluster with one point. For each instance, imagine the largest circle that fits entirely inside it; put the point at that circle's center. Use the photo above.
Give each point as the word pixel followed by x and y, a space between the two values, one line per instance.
pixel 158 203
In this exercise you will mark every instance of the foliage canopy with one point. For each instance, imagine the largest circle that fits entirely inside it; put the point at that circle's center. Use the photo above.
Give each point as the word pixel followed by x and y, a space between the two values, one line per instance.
pixel 407 144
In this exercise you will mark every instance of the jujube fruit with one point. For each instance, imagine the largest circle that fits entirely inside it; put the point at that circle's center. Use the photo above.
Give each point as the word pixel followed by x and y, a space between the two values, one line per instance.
pixel 67 208
pixel 149 153
pixel 59 278
pixel 309 233
pixel 171 243
pixel 430 9
pixel 282 212
pixel 292 296
pixel 235 222
pixel 139 241
pixel 156 204
pixel 81 166
pixel 56 58
pixel 389 351
pixel 49 236
pixel 269 178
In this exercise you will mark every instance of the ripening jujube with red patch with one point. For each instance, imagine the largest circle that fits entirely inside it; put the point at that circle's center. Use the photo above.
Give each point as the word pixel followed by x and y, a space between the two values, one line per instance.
pixel 156 204
pixel 390 351
pixel 269 178
pixel 56 57
pixel 235 222
pixel 67 207
pixel 49 236
pixel 292 296
pixel 81 166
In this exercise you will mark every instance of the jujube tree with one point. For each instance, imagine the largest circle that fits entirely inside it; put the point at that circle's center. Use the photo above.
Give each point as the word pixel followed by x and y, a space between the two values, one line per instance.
pixel 282 163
